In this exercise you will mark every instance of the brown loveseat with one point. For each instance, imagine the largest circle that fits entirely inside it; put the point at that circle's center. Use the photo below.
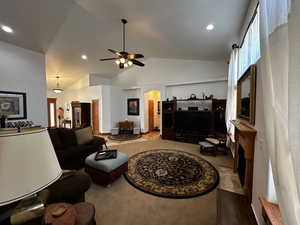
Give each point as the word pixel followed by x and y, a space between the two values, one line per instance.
pixel 70 154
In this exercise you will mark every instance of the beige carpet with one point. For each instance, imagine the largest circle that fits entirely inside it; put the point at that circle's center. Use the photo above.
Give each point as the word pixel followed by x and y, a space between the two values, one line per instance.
pixel 122 204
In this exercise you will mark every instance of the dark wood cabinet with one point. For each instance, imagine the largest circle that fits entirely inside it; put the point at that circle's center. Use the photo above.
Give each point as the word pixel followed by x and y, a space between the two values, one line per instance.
pixel 193 120
pixel 168 119
pixel 219 111
pixel 81 115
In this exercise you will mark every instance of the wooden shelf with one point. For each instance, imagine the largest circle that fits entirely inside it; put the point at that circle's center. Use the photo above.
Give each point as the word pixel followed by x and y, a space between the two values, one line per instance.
pixel 243 127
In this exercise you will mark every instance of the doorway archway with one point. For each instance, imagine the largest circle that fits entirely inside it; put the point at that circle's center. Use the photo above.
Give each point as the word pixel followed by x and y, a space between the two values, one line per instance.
pixel 152 110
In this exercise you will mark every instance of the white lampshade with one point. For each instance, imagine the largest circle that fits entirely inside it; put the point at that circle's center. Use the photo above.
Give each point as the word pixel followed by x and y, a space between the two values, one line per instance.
pixel 28 164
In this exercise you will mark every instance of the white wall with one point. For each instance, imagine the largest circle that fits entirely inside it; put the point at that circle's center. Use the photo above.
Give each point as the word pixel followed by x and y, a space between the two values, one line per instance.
pixel 79 91
pixel 133 93
pixel 23 70
pixel 170 71
pixel 217 89
pixel 111 107
pixel 117 105
pixel 172 77
pixel 95 79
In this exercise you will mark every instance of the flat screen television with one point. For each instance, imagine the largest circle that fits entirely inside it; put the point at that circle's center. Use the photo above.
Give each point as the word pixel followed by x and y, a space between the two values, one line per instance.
pixel 193 121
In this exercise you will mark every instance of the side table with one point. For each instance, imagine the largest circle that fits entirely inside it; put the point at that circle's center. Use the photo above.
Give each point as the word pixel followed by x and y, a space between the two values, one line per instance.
pixel 79 214
pixel 85 214
pixel 67 218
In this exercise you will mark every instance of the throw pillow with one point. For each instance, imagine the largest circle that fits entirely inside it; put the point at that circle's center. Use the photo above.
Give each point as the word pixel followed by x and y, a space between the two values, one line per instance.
pixel 84 135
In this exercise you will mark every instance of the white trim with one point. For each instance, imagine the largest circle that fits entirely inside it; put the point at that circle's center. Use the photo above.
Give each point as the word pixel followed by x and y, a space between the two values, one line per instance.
pixel 222 79
pixel 197 82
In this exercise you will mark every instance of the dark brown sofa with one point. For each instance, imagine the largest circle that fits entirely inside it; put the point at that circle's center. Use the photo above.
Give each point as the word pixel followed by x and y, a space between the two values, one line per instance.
pixel 70 188
pixel 71 155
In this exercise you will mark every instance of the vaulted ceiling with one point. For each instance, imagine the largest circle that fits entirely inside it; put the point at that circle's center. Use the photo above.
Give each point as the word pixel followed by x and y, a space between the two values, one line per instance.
pixel 66 29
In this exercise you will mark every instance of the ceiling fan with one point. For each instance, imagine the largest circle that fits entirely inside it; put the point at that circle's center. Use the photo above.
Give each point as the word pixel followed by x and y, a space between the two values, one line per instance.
pixel 125 59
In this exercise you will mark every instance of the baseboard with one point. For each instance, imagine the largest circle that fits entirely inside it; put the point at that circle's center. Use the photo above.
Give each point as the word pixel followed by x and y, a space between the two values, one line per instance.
pixel 104 133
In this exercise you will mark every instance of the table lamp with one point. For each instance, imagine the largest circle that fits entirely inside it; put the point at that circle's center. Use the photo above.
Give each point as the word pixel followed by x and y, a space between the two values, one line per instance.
pixel 28 164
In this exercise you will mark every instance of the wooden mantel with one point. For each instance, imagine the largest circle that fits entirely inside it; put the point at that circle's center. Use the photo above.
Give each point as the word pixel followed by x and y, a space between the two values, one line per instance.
pixel 245 137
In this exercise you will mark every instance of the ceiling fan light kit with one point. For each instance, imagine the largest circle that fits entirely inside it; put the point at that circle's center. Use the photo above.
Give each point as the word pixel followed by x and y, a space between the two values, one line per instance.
pixel 125 59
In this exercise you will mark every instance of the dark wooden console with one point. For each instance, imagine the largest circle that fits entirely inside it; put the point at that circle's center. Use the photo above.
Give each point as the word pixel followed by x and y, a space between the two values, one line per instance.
pixel 193 120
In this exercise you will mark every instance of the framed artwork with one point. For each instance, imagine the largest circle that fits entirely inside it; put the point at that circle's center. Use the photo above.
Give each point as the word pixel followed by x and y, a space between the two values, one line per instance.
pixel 133 106
pixel 13 104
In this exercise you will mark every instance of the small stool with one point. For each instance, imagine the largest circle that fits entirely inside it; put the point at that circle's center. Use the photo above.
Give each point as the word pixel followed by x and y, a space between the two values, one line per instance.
pixel 136 130
pixel 207 148
pixel 104 172
pixel 115 131
pixel 219 143
pixel 85 213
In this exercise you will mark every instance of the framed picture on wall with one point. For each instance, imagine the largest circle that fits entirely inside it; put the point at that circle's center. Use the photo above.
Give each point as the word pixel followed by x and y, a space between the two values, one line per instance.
pixel 13 104
pixel 133 106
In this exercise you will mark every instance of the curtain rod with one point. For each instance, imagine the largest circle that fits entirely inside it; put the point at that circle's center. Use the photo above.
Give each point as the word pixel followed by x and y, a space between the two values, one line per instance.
pixel 251 21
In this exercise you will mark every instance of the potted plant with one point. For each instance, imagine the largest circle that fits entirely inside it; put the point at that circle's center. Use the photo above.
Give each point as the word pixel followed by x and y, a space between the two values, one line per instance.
pixel 3 117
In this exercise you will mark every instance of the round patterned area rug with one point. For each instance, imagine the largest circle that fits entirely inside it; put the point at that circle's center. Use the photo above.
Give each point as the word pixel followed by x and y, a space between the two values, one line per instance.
pixel 124 137
pixel 171 173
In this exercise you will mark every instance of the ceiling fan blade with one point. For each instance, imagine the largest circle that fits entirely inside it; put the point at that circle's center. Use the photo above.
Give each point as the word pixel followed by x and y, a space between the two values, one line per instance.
pixel 138 63
pixel 135 56
pixel 115 52
pixel 108 59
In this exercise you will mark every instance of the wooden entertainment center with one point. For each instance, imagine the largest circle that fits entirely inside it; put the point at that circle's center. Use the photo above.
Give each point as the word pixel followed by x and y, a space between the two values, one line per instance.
pixel 191 120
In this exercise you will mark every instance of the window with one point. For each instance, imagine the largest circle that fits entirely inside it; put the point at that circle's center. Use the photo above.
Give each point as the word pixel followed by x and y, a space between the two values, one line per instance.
pixel 249 53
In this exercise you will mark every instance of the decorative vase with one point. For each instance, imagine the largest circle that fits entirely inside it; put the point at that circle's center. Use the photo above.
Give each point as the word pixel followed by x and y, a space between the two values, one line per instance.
pixel 2 122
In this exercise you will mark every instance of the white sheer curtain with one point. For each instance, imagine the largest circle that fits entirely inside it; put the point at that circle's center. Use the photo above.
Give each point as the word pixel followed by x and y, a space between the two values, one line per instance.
pixel 232 91
pixel 281 79
pixel 240 61
pixel 249 53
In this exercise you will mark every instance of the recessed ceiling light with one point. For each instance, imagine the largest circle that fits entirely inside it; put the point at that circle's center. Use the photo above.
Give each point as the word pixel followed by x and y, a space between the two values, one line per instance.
pixel 84 57
pixel 210 27
pixel 7 29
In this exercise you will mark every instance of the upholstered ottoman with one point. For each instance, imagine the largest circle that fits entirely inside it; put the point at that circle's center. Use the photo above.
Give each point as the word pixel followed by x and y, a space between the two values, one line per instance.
pixel 106 171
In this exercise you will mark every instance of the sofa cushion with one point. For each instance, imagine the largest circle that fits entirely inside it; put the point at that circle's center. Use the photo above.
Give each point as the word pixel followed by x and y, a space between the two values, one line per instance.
pixel 84 135
pixel 68 137
pixel 55 138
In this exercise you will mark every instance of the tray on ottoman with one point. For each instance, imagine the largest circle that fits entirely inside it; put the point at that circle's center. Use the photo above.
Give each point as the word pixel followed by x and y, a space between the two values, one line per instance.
pixel 104 172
